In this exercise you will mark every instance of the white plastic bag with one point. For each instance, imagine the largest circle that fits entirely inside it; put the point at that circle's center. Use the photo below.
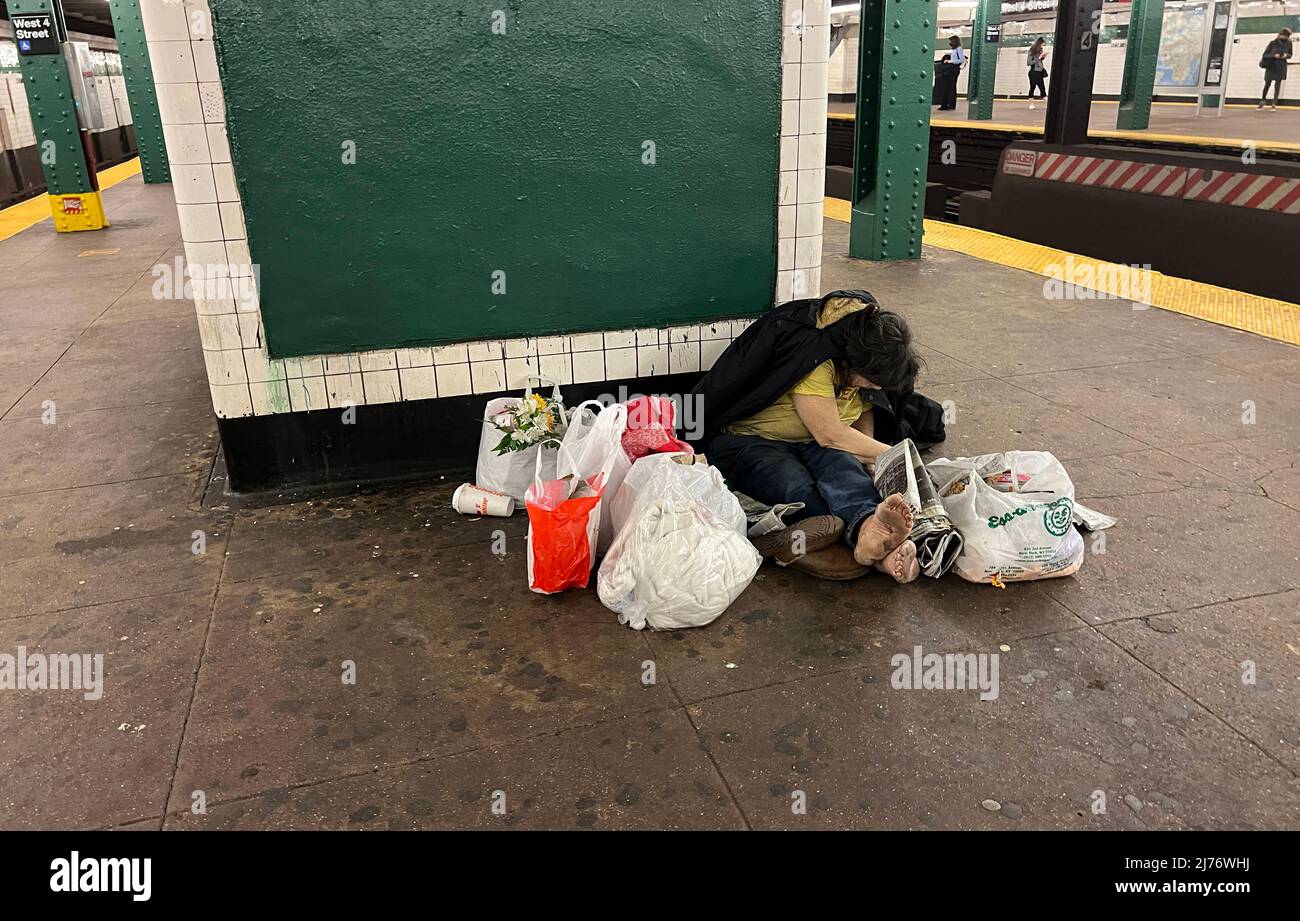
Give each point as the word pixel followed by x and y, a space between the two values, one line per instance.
pixel 592 446
pixel 1015 515
pixel 700 482
pixel 680 557
pixel 512 473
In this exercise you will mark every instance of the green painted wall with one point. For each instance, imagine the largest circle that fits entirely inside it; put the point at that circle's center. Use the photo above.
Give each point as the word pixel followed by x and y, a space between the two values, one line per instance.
pixel 519 152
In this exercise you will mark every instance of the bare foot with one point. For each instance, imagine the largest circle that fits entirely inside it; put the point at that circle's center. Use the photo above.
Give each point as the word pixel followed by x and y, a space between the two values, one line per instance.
pixel 901 563
pixel 886 528
pixel 897 501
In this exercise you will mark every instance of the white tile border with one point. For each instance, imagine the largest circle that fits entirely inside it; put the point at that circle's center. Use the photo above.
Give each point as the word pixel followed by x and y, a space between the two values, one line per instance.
pixel 805 49
pixel 246 381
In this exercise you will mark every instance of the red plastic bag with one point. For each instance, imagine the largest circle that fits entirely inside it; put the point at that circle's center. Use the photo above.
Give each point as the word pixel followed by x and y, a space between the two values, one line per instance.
pixel 651 426
pixel 562 532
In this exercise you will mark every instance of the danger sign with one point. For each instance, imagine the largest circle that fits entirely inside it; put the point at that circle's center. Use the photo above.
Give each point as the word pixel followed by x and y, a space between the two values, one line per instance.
pixel 73 205
pixel 1017 162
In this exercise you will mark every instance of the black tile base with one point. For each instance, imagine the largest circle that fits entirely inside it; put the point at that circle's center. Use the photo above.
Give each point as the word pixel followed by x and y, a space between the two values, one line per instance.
pixel 386 442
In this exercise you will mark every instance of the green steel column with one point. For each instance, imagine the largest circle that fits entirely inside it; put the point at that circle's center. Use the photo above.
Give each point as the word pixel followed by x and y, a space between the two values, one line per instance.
pixel 1145 19
pixel 73 189
pixel 892 132
pixel 983 59
pixel 140 89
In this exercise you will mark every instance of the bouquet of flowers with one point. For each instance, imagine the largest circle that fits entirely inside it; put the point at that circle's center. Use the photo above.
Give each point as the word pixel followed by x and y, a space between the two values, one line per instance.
pixel 533 420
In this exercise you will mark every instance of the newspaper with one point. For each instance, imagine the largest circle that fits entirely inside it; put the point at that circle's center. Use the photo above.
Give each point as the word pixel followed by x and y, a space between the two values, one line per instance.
pixel 900 470
pixel 1090 519
pixel 764 519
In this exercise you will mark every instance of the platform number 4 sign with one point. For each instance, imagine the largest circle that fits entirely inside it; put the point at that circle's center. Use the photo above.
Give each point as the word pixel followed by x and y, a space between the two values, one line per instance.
pixel 1086 40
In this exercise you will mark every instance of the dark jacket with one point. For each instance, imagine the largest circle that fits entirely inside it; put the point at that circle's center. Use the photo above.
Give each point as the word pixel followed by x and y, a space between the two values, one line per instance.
pixel 778 350
pixel 945 84
pixel 1274 67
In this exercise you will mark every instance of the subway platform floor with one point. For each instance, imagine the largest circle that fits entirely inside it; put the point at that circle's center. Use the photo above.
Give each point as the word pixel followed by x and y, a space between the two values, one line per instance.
pixel 1171 121
pixel 1122 702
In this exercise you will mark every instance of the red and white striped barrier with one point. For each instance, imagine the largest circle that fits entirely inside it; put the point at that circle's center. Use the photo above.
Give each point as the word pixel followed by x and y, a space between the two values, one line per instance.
pixel 1221 187
pixel 1106 173
pixel 1245 190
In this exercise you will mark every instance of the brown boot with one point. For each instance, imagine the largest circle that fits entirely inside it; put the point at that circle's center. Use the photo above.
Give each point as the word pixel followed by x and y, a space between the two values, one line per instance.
pixel 835 562
pixel 819 532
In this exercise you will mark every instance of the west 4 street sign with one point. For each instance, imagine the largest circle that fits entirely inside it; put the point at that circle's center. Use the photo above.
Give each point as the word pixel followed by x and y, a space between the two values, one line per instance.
pixel 34 33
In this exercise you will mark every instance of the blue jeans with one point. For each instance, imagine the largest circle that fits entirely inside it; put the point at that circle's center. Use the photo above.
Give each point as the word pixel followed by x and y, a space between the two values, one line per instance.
pixel 825 480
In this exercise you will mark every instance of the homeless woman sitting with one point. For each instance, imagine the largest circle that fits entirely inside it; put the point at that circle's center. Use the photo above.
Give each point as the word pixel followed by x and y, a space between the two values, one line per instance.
pixel 787 422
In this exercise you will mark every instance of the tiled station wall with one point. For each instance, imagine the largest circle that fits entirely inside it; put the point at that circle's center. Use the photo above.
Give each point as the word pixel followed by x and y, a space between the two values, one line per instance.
pixel 1245 79
pixel 245 381
pixel 17 117
pixel 843 75
pixel 111 87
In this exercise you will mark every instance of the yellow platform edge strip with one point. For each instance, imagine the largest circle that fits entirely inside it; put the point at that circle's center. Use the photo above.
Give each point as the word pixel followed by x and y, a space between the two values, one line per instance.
pixel 1111 135
pixel 1252 313
pixel 14 220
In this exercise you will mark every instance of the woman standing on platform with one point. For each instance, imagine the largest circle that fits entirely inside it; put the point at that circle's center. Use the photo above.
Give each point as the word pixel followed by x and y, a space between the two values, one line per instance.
pixel 1274 63
pixel 1037 70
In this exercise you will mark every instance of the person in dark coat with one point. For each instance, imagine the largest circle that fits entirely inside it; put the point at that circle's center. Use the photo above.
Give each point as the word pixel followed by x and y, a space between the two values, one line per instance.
pixel 941 68
pixel 945 84
pixel 1274 62
pixel 787 422
pixel 956 58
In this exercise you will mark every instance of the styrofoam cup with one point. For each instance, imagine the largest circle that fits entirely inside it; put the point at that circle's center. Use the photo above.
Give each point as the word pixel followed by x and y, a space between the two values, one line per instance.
pixel 469 499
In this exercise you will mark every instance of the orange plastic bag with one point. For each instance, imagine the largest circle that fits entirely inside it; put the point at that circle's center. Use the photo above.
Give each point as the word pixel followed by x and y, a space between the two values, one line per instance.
pixel 562 532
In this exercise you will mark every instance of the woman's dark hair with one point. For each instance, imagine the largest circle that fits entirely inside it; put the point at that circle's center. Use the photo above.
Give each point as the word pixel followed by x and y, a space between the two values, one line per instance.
pixel 954 41
pixel 1039 41
pixel 878 345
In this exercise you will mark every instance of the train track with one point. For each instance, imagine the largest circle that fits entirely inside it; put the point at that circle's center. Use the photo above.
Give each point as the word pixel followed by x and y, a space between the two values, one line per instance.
pixel 973 156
